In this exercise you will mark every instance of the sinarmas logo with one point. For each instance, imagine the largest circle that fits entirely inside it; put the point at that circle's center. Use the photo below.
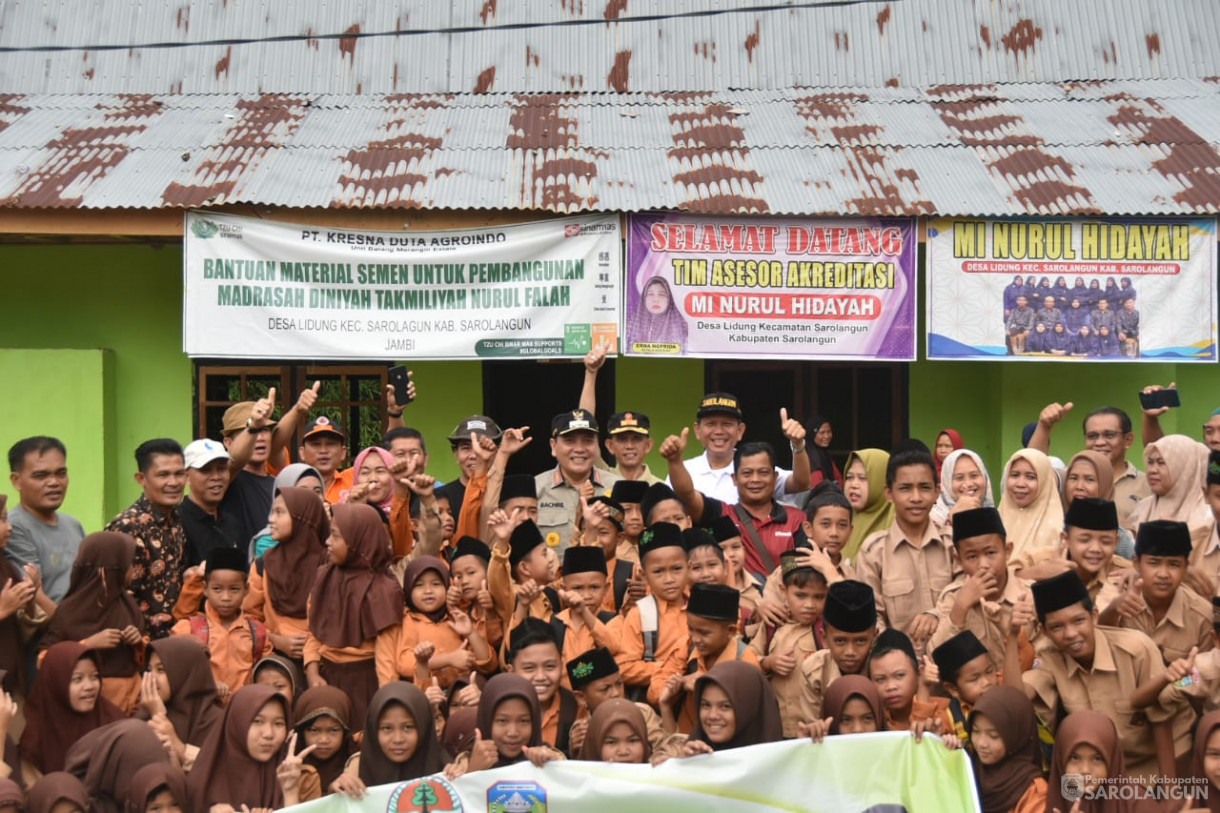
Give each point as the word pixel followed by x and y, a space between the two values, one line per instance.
pixel 203 229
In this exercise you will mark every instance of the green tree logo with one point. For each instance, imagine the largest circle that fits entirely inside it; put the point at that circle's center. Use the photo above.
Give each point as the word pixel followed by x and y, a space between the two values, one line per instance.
pixel 424 797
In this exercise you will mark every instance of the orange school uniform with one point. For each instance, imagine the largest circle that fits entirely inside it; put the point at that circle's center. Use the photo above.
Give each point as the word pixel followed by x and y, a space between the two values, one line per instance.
pixel 232 650
pixel 672 637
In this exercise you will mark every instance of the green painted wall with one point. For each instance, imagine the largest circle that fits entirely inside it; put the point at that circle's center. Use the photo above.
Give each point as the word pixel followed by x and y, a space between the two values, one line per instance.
pixel 447 391
pixel 125 299
pixel 667 391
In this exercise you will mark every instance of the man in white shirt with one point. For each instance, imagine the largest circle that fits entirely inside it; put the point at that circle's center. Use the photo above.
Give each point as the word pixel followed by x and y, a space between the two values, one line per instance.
pixel 719 426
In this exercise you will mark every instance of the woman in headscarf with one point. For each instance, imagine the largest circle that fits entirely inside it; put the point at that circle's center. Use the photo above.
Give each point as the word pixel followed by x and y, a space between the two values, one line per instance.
pixel 107 759
pixel 947 442
pixel 823 468
pixel 323 717
pixel 1086 743
pixel 356 599
pixel 964 484
pixel 617 733
pixel 509 728
pixel 281 674
pixel 294 474
pixel 1006 752
pixel 852 706
pixel 65 704
pixel 1062 292
pixel 736 707
pixel 399 742
pixel 657 319
pixel 159 787
pixel 864 486
pixel 58 792
pixel 237 766
pixel 179 695
pixel 1205 762
pixel 1030 507
pixel 281 581
pixel 100 612
pixel 373 483
pixel 1176 466
pixel 1090 474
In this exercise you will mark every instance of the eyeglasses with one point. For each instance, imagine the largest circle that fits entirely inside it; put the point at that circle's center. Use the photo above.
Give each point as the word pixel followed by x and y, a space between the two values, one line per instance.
pixel 1111 435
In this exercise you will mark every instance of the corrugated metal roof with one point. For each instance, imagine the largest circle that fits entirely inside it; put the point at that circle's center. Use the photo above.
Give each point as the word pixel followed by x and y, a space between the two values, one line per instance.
pixel 1125 147
pixel 556 46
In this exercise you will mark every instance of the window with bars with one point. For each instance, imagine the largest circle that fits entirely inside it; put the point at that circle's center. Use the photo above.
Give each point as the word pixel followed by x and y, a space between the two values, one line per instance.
pixel 351 395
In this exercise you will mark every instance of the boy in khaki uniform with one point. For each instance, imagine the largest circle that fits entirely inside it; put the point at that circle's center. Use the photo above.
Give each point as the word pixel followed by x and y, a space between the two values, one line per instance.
pixel 850 627
pixel 911 563
pixel 1100 668
pixel 982 599
pixel 1156 604
pixel 595 678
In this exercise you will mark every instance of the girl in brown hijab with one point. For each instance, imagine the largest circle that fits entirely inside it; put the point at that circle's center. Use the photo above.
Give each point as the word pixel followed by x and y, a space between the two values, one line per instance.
pixel 281 581
pixel 160 786
pixel 280 673
pixel 1007 758
pixel 1090 474
pixel 1205 764
pixel 617 733
pixel 237 765
pixel 852 706
pixel 358 600
pixel 399 741
pixel 65 704
pixel 99 612
pixel 1086 743
pixel 106 759
pixel 508 730
pixel 736 707
pixel 54 789
pixel 179 695
pixel 323 717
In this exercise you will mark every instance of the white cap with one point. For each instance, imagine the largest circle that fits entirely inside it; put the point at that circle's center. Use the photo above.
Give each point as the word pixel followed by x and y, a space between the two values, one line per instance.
pixel 202 452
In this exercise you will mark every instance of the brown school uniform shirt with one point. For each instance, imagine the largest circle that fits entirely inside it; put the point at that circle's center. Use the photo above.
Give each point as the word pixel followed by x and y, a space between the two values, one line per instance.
pixel 579 639
pixel 230 651
pixel 677 665
pixel 988 622
pixel 1187 623
pixel 1129 488
pixel 671 637
pixel 773 590
pixel 1206 557
pixel 800 639
pixel 813 674
pixel 395 651
pixel 627 551
pixel 504 592
pixel 1123 661
pixel 1203 694
pixel 906 576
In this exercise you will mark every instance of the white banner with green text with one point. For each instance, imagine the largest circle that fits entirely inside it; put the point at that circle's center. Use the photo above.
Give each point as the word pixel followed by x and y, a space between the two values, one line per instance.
pixel 262 289
pixel 861 773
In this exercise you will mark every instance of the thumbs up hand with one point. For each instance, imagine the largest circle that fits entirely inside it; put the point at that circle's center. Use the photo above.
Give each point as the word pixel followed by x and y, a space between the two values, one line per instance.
pixel 308 398
pixel 792 430
pixel 1132 604
pixel 1182 667
pixel 674 445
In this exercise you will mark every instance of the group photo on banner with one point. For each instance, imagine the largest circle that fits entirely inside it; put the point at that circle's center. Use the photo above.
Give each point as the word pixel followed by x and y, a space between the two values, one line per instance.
pixel 741 287
pixel 1065 289
pixel 264 289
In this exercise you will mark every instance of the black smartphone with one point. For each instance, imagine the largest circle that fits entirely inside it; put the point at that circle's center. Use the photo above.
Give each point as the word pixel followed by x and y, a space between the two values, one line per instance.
pixel 1160 398
pixel 400 381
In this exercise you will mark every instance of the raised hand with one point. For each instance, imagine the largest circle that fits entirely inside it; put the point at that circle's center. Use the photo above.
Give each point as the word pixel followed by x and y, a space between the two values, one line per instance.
pixel 150 698
pixel 105 639
pixel 424 651
pixel 14 596
pixel 460 623
pixel 595 358
pixel 792 429
pixel 131 636
pixel 514 440
pixel 1022 613
pixel 820 729
pixel 1132 603
pixel 262 410
pixel 434 693
pixel 782 663
pixel 1182 667
pixel 307 399
pixel 483 753
pixel 673 447
pixel 1153 413
pixel 1054 413
pixel 484 596
pixel 289 771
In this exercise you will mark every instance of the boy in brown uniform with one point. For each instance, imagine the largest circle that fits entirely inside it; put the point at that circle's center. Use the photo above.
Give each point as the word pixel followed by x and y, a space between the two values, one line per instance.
pixel 982 599
pixel 850 624
pixel 1100 668
pixel 911 563
pixel 1156 604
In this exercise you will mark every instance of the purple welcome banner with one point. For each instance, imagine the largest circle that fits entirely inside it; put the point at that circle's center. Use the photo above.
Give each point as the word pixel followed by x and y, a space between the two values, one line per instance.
pixel 770 287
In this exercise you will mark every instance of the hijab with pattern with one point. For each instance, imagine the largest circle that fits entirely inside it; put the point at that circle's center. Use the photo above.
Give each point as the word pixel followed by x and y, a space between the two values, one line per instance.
pixel 107 759
pixel 224 771
pixel 193 707
pixel 98 599
pixel 56 787
pixel 947 499
pixel 507 686
pixel 878 512
pixel 290 566
pixel 1038 525
pixel 150 780
pixel 375 767
pixel 844 688
pixel 360 597
pixel 51 724
pixel 1003 784
pixel 605 717
pixel 755 708
pixel 325 701
pixel 418 567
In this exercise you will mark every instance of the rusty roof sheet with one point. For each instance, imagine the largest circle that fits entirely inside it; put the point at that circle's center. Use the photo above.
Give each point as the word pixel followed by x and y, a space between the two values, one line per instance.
pixel 557 46
pixel 1123 147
